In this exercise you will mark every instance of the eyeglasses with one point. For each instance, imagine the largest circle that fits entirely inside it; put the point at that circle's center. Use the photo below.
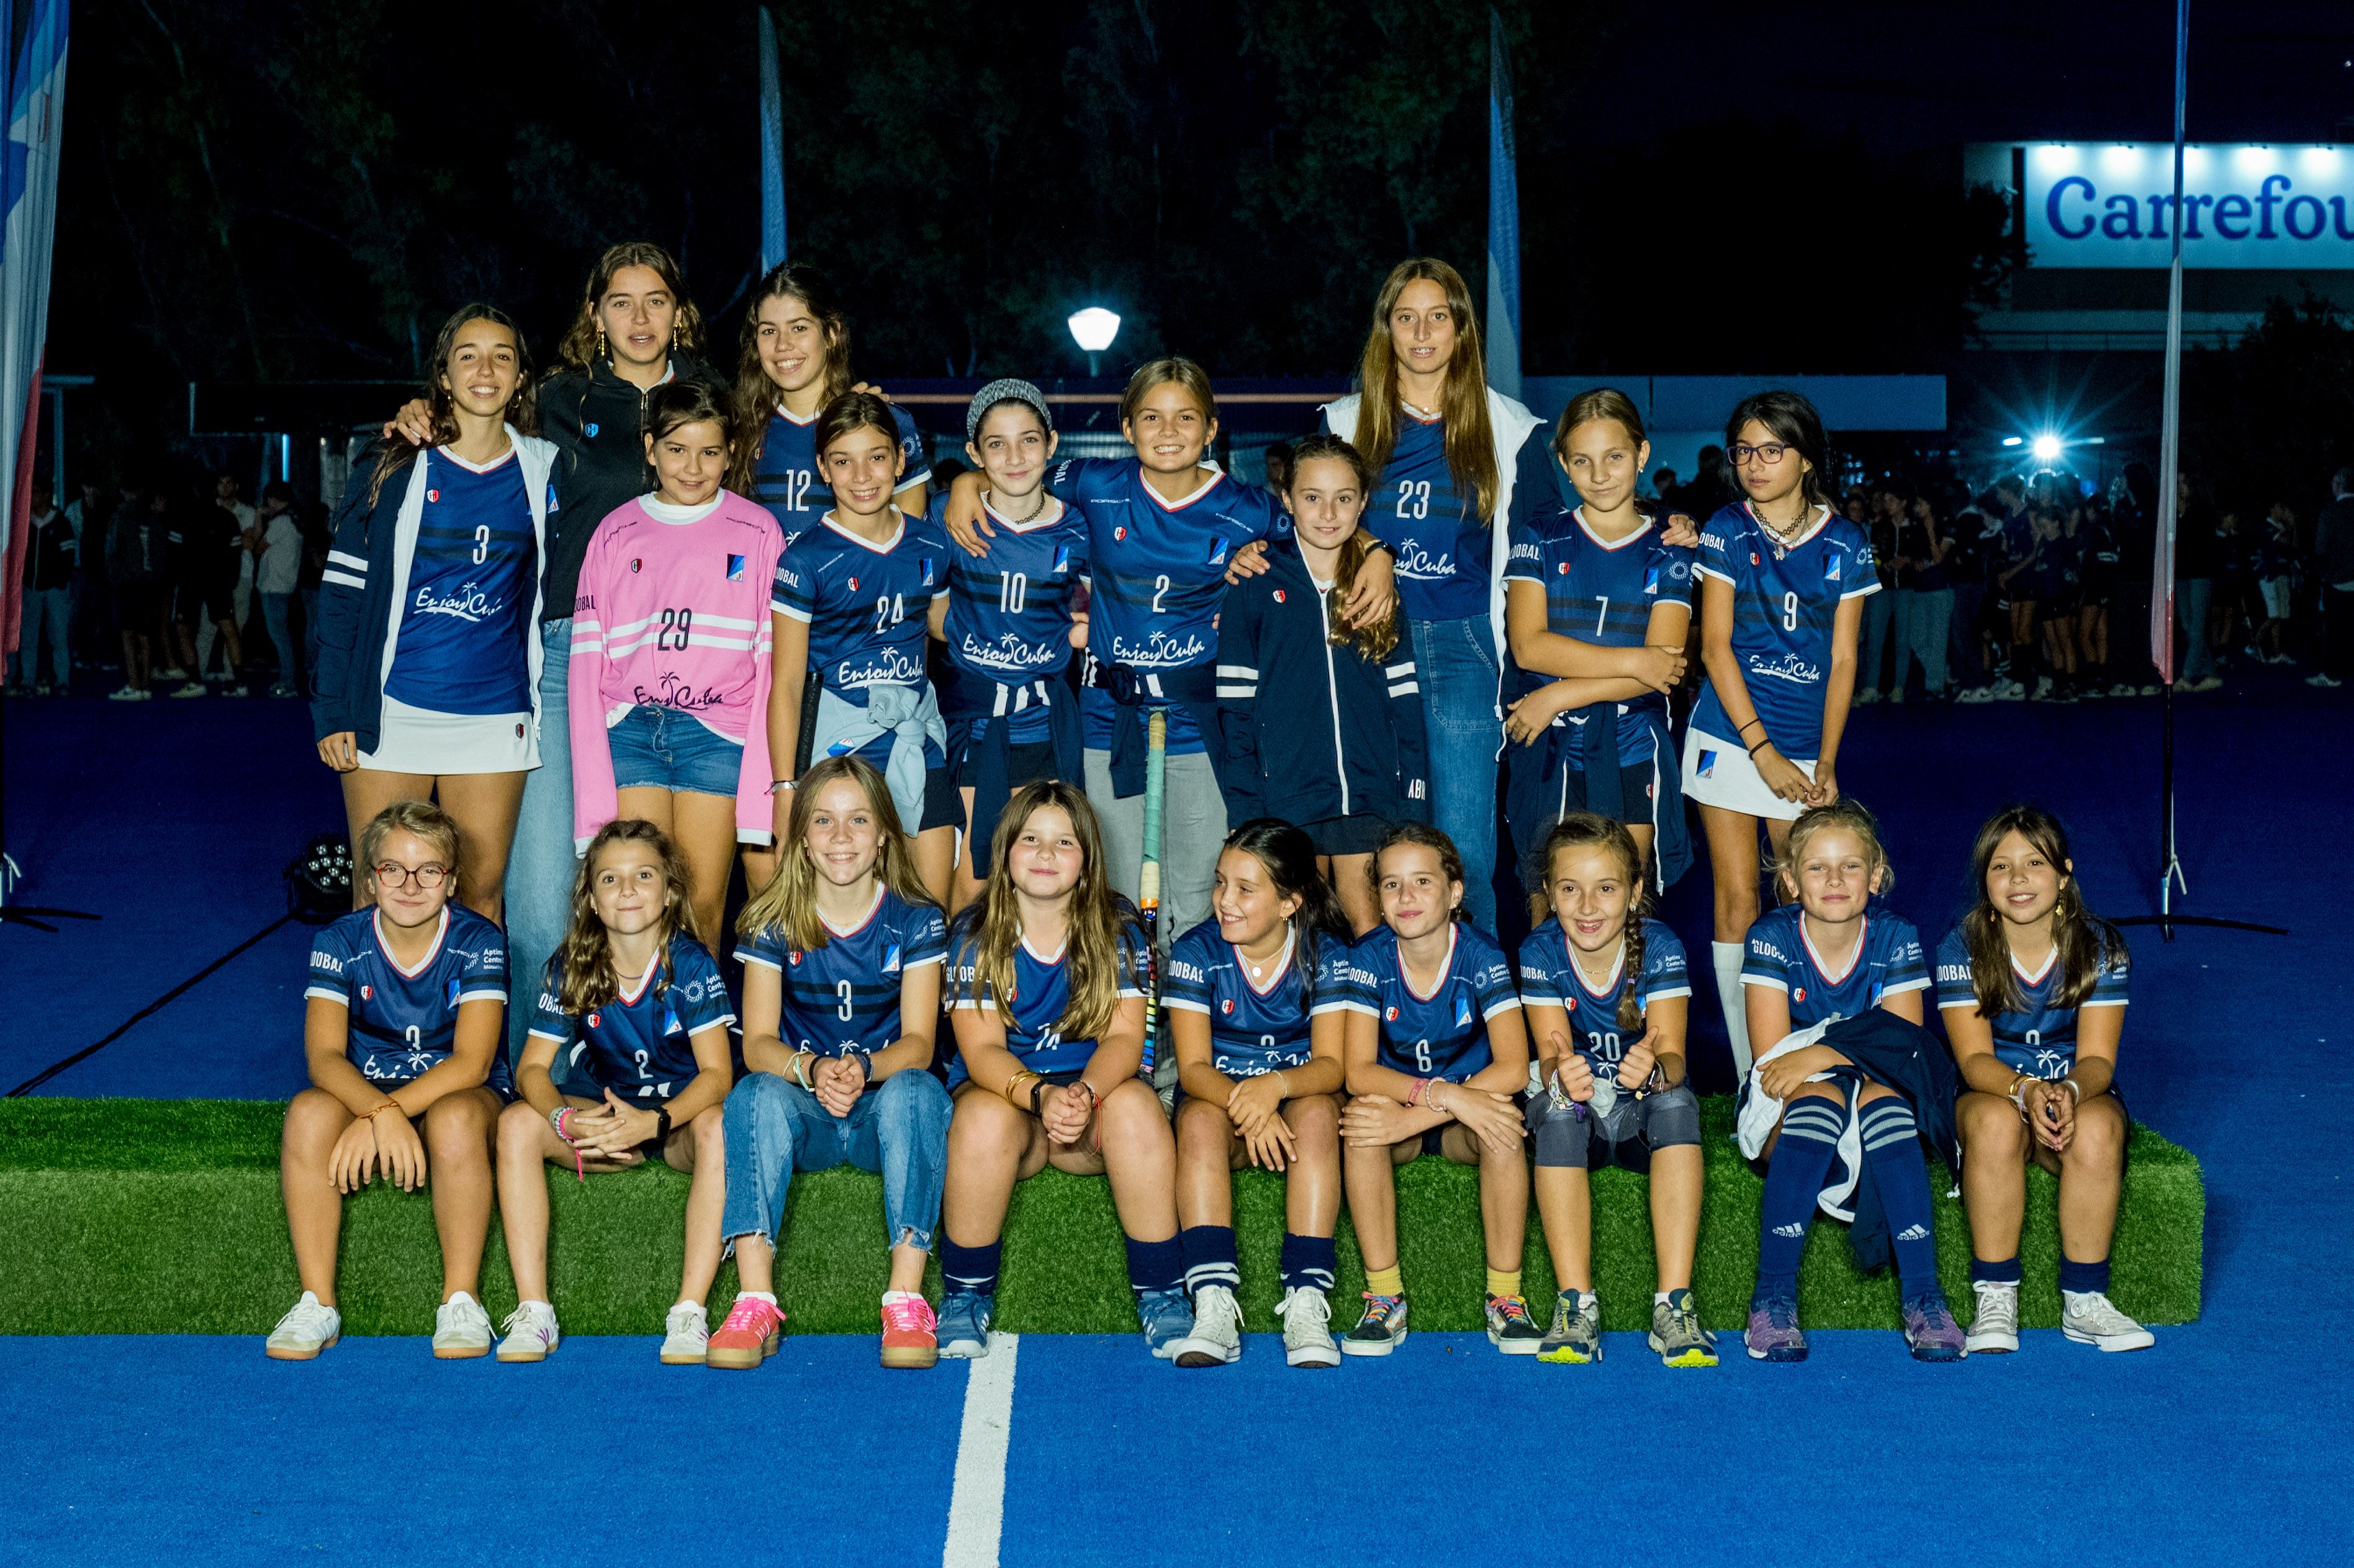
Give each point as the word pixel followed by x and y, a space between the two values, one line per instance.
pixel 1770 453
pixel 392 874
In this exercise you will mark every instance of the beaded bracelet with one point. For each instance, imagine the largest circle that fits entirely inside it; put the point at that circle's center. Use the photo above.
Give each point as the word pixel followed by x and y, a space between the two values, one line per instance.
pixel 562 1119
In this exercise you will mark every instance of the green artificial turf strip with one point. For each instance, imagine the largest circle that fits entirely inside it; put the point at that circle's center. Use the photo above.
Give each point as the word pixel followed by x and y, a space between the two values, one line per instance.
pixel 151 1216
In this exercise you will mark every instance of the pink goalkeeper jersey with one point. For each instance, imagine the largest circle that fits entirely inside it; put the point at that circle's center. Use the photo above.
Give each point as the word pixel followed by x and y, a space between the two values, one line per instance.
pixel 673 614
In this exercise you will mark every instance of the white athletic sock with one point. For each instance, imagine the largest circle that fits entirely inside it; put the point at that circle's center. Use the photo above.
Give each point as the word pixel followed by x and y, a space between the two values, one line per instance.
pixel 767 1296
pixel 1727 956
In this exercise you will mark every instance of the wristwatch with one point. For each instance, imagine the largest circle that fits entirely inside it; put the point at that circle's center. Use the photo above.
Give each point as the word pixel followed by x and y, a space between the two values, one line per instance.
pixel 662 1117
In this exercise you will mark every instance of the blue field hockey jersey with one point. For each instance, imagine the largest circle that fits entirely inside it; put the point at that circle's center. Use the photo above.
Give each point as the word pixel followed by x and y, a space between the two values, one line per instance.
pixel 404 1022
pixel 2040 1040
pixel 1434 531
pixel 1780 953
pixel 866 604
pixel 1550 978
pixel 1603 594
pixel 788 479
pixel 1041 991
pixel 1254 1031
pixel 1009 620
pixel 1442 1034
pixel 846 995
pixel 640 1045
pixel 1158 571
pixel 458 640
pixel 1784 600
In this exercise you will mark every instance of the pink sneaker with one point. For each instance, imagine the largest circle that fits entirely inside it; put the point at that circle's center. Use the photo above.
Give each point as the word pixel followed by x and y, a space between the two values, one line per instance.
pixel 747 1338
pixel 908 1338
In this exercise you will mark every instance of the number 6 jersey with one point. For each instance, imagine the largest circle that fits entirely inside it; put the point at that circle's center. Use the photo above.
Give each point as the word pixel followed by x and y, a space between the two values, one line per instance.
pixel 1442 1034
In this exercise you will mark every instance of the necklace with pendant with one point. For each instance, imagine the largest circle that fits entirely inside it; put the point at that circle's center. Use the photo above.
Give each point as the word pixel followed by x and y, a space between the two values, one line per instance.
pixel 1782 543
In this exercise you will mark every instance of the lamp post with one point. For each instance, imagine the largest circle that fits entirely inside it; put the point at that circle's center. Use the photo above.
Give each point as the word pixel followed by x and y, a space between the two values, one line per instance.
pixel 1093 329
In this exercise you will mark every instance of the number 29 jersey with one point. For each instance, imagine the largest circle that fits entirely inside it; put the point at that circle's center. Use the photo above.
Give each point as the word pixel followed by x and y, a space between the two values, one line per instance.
pixel 404 1022
pixel 1254 1031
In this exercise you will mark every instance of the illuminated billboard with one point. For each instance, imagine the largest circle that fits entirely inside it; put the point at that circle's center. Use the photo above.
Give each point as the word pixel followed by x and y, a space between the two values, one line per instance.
pixel 2108 204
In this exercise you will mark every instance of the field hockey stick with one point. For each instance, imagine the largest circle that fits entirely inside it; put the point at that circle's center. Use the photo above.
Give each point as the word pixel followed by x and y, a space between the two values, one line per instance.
pixel 1148 881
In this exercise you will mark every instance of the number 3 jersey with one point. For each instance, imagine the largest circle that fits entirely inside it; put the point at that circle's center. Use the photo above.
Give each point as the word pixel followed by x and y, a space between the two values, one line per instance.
pixel 1257 1025
pixel 1550 978
pixel 2038 1039
pixel 1442 1034
pixel 673 612
pixel 1042 992
pixel 846 995
pixel 404 1022
pixel 640 1045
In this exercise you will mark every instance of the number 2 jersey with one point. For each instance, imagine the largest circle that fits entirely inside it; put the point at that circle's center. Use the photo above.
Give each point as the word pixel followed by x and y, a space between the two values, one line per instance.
pixel 1255 1028
pixel 1158 571
pixel 1550 978
pixel 1042 992
pixel 404 1022
pixel 2038 1039
pixel 1786 599
pixel 640 1045
pixel 846 995
pixel 1781 954
pixel 1441 1033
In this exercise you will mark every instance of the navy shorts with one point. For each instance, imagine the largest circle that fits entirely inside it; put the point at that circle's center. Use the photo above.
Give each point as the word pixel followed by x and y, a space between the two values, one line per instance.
pixel 663 748
pixel 1575 1138
pixel 1347 835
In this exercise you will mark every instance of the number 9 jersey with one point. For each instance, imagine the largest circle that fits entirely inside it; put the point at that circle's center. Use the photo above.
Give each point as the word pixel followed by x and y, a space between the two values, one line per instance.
pixel 404 1022
pixel 1786 599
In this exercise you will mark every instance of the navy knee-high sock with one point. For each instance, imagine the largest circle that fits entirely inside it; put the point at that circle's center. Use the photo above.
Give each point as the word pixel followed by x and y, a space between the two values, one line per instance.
pixel 1810 1131
pixel 1210 1257
pixel 969 1268
pixel 1155 1265
pixel 1892 1144
pixel 1308 1262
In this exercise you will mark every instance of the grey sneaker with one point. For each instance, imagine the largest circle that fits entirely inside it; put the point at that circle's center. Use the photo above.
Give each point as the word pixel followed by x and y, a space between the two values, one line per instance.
pixel 1217 1337
pixel 686 1335
pixel 1307 1333
pixel 1576 1336
pixel 529 1333
pixel 462 1330
pixel 2089 1319
pixel 1677 1337
pixel 1994 1330
pixel 1168 1321
pixel 1930 1331
pixel 1774 1334
pixel 311 1327
pixel 1380 1330
pixel 964 1324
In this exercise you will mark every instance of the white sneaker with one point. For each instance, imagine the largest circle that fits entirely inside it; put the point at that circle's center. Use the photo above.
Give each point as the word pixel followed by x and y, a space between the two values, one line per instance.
pixel 2010 691
pixel 1865 696
pixel 530 1333
pixel 686 1335
pixel 1897 696
pixel 1995 1329
pixel 193 689
pixel 1307 1336
pixel 2123 689
pixel 302 1333
pixel 141 694
pixel 462 1330
pixel 2042 688
pixel 1217 1339
pixel 2088 1318
pixel 2318 678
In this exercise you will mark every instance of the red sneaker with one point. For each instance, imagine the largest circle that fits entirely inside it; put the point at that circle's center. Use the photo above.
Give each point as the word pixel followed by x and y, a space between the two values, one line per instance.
pixel 908 1330
pixel 748 1337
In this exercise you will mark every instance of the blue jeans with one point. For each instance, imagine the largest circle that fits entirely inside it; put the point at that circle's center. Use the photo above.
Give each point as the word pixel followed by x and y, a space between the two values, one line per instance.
pixel 1456 663
pixel 656 747
pixel 541 865
pixel 281 637
pixel 2193 597
pixel 1923 616
pixel 775 1127
pixel 1879 619
pixel 48 615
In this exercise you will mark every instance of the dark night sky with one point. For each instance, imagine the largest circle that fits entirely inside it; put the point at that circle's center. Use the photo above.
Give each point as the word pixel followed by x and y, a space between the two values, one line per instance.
pixel 1905 75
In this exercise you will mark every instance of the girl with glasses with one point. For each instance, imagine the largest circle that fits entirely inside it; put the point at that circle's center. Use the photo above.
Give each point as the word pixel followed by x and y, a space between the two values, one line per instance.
pixel 1783 577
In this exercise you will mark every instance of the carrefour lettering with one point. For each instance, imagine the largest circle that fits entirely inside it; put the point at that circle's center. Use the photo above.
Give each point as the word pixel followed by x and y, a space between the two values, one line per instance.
pixel 2242 206
pixel 2118 215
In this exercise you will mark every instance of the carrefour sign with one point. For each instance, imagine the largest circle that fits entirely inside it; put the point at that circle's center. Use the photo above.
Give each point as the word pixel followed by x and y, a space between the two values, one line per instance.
pixel 2104 204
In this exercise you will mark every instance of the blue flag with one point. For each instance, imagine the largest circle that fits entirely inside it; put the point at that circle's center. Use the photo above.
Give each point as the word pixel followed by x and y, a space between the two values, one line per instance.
pixel 1503 342
pixel 33 92
pixel 772 150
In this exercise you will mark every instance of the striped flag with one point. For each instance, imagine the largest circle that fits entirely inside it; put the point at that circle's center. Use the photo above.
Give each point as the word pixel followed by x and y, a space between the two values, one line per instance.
pixel 33 86
pixel 772 150
pixel 1503 342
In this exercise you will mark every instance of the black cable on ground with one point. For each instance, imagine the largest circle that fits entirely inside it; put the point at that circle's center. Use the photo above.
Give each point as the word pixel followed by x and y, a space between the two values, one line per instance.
pixel 45 1073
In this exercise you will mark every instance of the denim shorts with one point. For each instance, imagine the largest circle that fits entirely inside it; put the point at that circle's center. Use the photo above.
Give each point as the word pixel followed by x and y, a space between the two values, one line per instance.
pixel 663 748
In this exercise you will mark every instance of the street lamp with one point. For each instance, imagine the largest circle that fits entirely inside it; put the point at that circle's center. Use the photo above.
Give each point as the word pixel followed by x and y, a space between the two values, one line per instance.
pixel 1093 329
